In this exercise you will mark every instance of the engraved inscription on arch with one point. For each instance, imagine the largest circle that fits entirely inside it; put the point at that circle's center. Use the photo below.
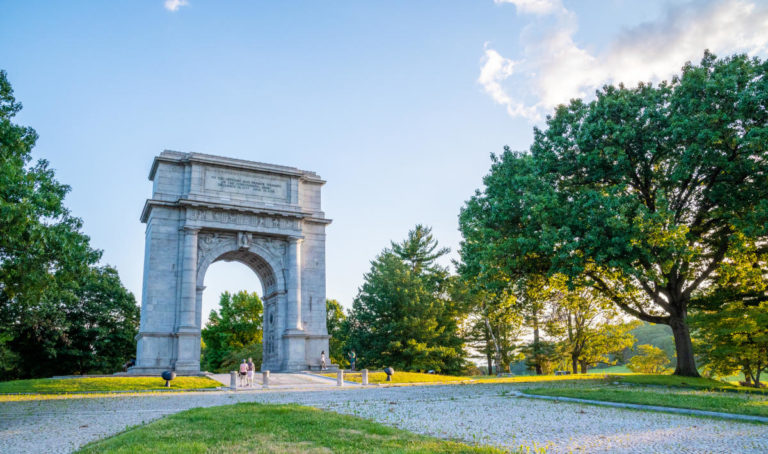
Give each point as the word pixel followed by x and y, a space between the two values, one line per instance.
pixel 247 184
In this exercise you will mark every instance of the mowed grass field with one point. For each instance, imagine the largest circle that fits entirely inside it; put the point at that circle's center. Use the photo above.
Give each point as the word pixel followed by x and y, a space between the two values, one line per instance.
pixel 416 377
pixel 252 427
pixel 738 403
pixel 625 378
pixel 402 377
pixel 92 384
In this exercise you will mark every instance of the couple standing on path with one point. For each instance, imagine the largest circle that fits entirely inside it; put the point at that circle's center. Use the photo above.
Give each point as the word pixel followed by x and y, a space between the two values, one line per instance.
pixel 246 372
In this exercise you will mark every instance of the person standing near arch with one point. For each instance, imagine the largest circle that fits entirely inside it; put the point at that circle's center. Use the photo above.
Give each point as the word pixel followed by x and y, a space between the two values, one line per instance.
pixel 243 373
pixel 251 369
pixel 322 360
pixel 352 358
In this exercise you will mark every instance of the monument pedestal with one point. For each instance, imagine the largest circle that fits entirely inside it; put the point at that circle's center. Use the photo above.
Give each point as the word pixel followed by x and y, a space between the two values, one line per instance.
pixel 294 348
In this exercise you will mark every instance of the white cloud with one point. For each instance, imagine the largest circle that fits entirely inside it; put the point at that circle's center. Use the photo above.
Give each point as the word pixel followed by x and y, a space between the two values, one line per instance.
pixel 535 6
pixel 555 69
pixel 174 5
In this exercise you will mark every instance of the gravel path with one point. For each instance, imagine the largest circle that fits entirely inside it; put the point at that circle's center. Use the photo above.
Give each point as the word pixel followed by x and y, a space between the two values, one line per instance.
pixel 475 413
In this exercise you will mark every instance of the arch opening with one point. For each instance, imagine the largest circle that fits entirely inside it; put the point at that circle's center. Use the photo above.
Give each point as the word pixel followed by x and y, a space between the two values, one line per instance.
pixel 271 296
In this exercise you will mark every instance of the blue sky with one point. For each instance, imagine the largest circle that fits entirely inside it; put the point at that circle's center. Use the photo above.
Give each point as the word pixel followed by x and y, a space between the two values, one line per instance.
pixel 398 105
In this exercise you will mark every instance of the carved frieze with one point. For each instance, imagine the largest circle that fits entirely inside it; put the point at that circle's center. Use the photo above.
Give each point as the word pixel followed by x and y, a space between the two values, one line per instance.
pixel 273 245
pixel 268 222
pixel 211 241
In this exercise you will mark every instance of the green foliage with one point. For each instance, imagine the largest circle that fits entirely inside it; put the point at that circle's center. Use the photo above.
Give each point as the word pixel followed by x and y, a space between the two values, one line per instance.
pixel 100 327
pixel 642 193
pixel 338 329
pixel 233 331
pixel 649 360
pixel 402 316
pixel 657 335
pixel 59 312
pixel 542 356
pixel 233 358
pixel 734 339
pixel 586 326
pixel 494 326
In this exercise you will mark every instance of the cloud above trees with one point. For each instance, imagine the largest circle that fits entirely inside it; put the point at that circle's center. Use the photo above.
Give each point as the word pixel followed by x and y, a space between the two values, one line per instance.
pixel 174 5
pixel 554 68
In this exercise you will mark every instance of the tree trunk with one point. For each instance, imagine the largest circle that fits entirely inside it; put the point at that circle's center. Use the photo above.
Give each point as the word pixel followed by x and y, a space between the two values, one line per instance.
pixel 495 345
pixel 536 344
pixel 686 362
pixel 575 364
pixel 747 376
pixel 583 367
pixel 488 356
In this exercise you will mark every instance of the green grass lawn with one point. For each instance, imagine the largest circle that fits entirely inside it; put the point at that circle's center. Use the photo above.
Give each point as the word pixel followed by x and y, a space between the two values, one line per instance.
pixel 402 377
pixel 597 375
pixel 685 382
pixel 747 404
pixel 78 385
pixel 540 378
pixel 252 427
pixel 612 370
pixel 416 377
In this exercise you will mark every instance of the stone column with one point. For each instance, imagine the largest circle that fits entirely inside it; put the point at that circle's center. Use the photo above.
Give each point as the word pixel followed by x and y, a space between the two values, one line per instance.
pixel 188 300
pixel 293 284
pixel 294 337
pixel 188 332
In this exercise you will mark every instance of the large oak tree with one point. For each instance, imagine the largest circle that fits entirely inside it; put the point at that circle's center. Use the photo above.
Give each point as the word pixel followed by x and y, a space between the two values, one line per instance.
pixel 642 193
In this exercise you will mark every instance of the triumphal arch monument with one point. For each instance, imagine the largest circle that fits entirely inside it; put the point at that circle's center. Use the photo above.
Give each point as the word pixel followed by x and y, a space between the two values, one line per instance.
pixel 206 209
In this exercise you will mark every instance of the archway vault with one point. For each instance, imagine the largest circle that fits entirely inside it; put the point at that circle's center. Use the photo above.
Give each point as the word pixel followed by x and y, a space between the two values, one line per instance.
pixel 206 209
pixel 265 257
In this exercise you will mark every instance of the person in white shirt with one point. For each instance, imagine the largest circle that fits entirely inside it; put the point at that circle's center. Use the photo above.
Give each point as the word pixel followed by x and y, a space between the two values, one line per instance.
pixel 243 372
pixel 251 368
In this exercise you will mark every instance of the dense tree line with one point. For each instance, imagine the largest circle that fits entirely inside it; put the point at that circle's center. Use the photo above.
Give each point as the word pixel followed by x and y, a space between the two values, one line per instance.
pixel 60 311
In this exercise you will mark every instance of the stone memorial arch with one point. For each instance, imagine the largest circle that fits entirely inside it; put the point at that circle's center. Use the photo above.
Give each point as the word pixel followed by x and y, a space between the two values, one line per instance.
pixel 206 209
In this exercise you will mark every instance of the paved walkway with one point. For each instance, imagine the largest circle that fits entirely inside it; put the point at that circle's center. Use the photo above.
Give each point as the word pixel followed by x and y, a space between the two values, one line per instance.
pixel 287 381
pixel 485 414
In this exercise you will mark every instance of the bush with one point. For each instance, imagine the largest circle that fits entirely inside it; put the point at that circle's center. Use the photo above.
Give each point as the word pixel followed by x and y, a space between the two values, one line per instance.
pixel 649 360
